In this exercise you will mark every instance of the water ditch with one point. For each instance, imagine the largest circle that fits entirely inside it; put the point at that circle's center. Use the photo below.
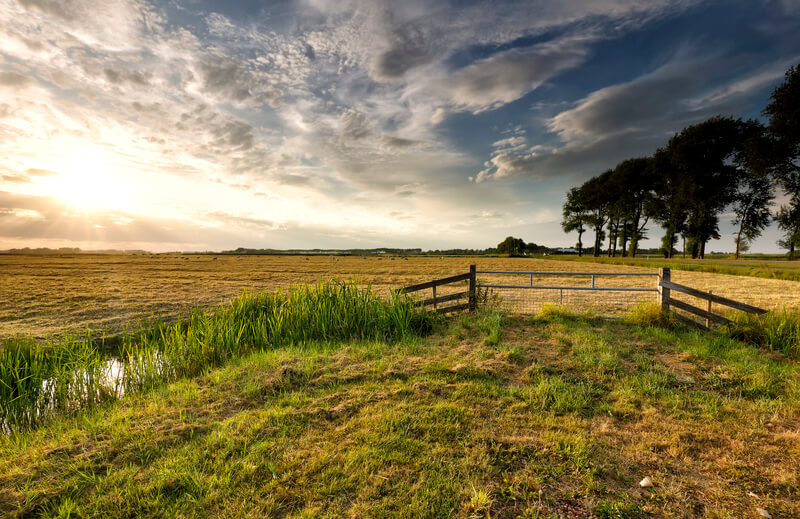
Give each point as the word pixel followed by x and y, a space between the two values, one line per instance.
pixel 38 382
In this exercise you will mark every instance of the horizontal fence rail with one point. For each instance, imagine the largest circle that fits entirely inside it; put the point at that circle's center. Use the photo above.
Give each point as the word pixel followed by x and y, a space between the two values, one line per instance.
pixel 437 299
pixel 666 287
pixel 513 296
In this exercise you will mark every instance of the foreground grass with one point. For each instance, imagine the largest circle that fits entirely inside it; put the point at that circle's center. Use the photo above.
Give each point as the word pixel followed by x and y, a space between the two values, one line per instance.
pixel 42 380
pixel 557 416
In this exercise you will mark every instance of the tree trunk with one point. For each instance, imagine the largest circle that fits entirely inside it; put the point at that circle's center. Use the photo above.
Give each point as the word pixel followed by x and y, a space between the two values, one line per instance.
pixel 597 243
pixel 702 252
pixel 739 239
pixel 580 243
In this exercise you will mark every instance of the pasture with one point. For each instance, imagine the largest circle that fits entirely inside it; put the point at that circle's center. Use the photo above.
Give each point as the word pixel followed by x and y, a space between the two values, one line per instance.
pixel 327 401
pixel 46 296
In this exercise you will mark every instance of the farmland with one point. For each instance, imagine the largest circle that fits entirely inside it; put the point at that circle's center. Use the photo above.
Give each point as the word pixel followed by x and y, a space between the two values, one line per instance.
pixel 45 296
pixel 325 402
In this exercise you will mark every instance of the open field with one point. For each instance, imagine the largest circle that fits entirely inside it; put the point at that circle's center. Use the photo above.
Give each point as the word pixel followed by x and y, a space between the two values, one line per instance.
pixel 768 267
pixel 45 296
pixel 553 416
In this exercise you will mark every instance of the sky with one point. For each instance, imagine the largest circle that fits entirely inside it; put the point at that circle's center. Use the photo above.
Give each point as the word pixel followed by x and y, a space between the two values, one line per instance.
pixel 204 125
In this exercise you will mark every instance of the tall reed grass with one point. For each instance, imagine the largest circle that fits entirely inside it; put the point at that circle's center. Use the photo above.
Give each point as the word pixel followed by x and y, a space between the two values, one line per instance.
pixel 38 381
pixel 777 330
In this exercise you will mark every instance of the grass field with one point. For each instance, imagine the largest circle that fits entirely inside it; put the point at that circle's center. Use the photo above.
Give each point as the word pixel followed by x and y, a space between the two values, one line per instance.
pixel 45 296
pixel 761 267
pixel 490 416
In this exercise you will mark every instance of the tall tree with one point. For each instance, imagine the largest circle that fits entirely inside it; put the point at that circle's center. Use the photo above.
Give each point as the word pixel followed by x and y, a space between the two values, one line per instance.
pixel 670 202
pixel 783 111
pixel 636 181
pixel 754 191
pixel 696 163
pixel 788 219
pixel 575 216
pixel 751 209
pixel 594 193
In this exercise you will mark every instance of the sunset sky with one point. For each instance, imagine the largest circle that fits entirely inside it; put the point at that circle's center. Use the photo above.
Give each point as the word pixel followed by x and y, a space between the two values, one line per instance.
pixel 200 125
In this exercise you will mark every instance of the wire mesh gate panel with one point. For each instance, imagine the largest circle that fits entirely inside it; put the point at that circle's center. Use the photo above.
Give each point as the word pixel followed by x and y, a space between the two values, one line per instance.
pixel 609 294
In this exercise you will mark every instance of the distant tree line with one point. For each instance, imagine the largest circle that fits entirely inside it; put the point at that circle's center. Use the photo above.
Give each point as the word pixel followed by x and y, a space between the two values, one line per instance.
pixel 358 252
pixel 717 166
pixel 46 251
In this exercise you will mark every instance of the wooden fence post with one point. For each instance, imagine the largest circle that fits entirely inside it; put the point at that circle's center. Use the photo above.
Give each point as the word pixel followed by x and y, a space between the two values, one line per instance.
pixel 664 291
pixel 708 321
pixel 473 299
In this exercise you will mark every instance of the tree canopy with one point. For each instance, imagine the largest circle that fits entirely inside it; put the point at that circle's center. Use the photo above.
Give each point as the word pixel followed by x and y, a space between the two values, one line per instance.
pixel 718 166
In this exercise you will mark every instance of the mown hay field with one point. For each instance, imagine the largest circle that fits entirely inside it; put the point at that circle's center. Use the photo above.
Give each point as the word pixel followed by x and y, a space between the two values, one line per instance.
pixel 46 296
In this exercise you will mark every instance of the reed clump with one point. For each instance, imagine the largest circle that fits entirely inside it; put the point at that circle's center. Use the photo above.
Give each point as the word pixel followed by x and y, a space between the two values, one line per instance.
pixel 38 381
pixel 778 330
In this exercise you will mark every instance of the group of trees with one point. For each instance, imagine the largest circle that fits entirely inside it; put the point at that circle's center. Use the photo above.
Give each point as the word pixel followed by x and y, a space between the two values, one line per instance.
pixel 517 247
pixel 722 164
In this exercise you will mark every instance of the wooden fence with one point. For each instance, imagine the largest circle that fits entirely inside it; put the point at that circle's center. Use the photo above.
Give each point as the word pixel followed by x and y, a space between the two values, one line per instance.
pixel 435 301
pixel 665 288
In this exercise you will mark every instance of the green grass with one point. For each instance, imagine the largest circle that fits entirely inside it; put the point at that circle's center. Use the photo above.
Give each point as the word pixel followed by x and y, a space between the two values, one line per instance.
pixel 38 381
pixel 559 415
pixel 778 330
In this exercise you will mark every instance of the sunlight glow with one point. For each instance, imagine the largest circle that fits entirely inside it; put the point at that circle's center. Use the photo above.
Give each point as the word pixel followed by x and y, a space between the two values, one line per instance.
pixel 88 182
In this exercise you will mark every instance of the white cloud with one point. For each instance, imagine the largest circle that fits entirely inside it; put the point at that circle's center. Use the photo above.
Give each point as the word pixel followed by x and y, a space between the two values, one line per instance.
pixel 507 76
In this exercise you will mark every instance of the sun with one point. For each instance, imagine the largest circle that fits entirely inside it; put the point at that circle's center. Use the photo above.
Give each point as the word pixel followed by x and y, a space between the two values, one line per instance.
pixel 87 182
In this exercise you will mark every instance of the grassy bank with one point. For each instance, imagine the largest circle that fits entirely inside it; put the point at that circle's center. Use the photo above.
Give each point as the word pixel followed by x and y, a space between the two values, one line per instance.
pixel 41 380
pixel 490 416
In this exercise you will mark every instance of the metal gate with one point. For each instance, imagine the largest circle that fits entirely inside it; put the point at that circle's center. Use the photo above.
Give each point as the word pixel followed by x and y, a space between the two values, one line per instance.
pixel 605 293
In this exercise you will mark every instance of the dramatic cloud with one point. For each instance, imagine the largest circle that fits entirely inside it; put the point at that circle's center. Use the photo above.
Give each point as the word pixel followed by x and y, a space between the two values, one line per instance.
pixel 308 123
pixel 507 76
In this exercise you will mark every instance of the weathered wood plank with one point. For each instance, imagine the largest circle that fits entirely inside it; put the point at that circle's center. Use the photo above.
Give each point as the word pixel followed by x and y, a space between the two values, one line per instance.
pixel 454 308
pixel 444 299
pixel 435 282
pixel 473 281
pixel 686 320
pixel 698 311
pixel 712 297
